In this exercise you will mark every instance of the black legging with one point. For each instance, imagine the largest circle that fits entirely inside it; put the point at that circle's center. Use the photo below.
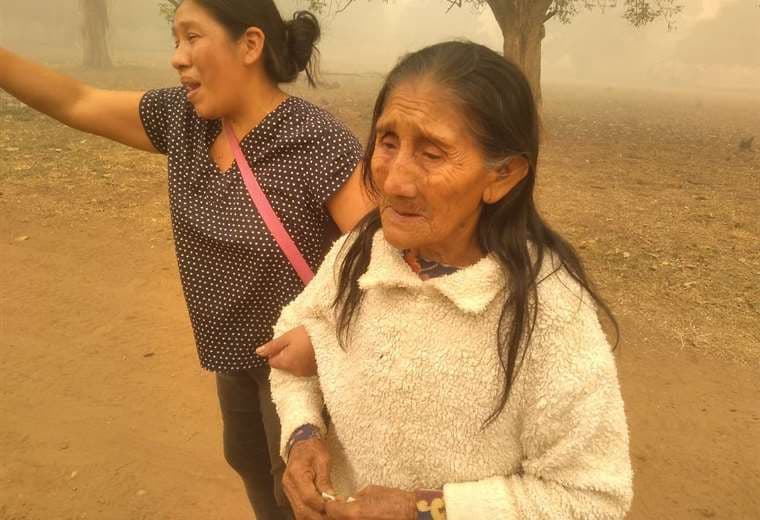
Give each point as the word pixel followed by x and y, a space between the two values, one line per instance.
pixel 252 439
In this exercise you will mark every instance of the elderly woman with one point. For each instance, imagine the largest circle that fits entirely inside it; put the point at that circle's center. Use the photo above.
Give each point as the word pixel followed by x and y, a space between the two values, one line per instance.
pixel 459 354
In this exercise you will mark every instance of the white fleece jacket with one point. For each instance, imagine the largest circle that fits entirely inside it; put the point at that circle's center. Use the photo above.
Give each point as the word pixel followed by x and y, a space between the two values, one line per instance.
pixel 409 396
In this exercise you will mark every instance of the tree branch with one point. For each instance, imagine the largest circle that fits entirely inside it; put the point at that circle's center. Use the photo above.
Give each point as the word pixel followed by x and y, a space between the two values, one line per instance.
pixel 454 3
pixel 344 7
pixel 500 10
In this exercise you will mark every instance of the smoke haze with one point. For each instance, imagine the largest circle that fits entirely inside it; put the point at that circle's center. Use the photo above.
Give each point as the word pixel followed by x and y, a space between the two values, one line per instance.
pixel 715 43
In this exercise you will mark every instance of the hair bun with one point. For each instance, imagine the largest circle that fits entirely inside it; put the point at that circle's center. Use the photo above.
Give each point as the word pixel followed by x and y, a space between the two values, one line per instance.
pixel 303 34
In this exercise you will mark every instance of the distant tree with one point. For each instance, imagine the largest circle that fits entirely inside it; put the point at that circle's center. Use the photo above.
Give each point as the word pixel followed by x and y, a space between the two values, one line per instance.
pixel 522 22
pixel 94 33
pixel 167 8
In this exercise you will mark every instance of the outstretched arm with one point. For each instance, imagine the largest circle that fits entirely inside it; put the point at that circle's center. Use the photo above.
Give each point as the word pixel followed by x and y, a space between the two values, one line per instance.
pixel 108 113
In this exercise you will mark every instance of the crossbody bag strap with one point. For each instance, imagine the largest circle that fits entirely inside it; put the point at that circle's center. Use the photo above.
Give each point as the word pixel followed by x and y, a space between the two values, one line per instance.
pixel 272 221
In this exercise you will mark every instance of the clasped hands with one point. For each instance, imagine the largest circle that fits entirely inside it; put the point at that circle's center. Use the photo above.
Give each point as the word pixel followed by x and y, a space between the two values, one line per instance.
pixel 307 477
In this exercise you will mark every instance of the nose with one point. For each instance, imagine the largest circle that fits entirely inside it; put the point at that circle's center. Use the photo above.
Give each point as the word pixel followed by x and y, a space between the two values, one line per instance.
pixel 400 178
pixel 181 58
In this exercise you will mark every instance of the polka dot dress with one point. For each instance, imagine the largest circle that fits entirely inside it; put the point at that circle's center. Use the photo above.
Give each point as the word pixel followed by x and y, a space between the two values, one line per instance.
pixel 234 276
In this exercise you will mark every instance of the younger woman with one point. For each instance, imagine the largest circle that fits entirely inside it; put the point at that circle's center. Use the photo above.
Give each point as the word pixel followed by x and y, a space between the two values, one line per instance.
pixel 231 56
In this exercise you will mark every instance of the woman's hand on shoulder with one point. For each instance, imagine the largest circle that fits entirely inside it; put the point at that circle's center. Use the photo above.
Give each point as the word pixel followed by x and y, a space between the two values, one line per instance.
pixel 374 503
pixel 291 352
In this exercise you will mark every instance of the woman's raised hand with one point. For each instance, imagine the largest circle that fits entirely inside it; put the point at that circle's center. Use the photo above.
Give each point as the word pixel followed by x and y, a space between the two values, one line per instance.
pixel 108 113
pixel 291 352
pixel 306 477
pixel 374 503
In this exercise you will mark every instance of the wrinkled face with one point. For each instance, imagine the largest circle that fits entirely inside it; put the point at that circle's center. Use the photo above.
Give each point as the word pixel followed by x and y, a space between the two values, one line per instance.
pixel 209 63
pixel 430 173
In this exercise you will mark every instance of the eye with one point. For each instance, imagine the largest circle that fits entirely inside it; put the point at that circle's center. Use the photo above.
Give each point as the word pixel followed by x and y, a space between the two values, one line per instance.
pixel 193 36
pixel 432 153
pixel 388 141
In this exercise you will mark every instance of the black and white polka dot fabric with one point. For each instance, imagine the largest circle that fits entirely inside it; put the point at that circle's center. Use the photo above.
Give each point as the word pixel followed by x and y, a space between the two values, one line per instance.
pixel 235 278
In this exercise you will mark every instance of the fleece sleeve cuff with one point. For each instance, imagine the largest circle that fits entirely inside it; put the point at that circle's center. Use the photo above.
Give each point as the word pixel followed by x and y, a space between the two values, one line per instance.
pixel 487 498
pixel 298 402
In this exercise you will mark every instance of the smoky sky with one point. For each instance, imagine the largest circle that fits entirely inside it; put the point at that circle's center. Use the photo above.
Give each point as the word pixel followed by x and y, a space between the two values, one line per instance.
pixel 715 43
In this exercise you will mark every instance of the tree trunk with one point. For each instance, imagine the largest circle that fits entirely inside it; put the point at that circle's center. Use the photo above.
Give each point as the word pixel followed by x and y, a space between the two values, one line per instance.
pixel 522 27
pixel 524 49
pixel 94 33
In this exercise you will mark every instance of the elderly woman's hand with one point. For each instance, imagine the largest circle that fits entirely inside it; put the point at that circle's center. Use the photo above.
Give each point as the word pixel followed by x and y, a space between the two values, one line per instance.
pixel 306 477
pixel 291 352
pixel 375 503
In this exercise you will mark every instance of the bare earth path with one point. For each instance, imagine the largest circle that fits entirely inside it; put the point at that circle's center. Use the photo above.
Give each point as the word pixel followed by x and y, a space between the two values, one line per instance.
pixel 104 413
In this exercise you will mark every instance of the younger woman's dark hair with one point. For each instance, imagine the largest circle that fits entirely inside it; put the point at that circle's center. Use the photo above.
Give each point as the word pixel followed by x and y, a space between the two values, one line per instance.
pixel 290 47
pixel 496 98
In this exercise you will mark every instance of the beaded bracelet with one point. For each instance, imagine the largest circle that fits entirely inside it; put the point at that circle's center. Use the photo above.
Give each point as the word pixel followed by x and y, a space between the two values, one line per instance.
pixel 302 433
pixel 430 505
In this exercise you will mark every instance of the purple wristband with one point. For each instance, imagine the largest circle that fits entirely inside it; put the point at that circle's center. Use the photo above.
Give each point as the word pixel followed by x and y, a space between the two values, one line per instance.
pixel 302 433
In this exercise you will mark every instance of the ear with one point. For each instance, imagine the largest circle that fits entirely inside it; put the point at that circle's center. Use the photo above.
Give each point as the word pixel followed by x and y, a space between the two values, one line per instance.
pixel 503 179
pixel 252 45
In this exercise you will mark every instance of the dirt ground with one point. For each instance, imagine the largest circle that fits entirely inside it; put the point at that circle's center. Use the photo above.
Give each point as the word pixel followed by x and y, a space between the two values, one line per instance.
pixel 106 415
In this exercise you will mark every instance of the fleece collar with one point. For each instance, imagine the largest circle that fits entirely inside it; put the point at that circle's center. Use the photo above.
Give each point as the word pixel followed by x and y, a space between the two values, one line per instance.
pixel 471 289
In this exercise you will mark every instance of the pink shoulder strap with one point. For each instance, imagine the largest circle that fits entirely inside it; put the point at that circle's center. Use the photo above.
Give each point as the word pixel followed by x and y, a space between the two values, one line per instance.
pixel 260 201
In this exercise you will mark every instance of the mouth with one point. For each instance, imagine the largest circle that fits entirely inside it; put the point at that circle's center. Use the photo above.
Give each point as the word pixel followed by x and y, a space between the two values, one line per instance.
pixel 403 215
pixel 191 87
